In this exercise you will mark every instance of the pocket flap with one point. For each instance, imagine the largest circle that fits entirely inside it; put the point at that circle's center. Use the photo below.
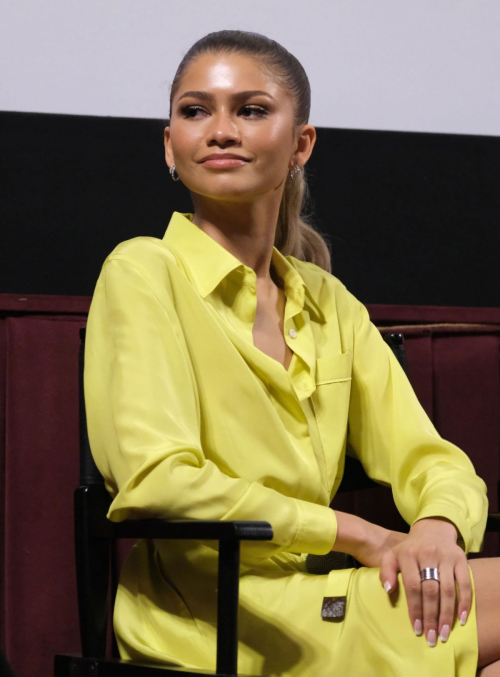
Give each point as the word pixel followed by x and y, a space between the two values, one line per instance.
pixel 335 599
pixel 334 368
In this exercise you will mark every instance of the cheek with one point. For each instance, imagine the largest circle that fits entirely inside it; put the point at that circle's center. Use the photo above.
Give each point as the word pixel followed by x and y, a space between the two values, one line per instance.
pixel 186 142
pixel 274 143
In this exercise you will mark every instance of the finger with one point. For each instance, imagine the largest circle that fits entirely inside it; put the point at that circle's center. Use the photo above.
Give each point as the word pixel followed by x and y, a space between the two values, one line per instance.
pixel 410 574
pixel 446 601
pixel 462 577
pixel 389 568
pixel 430 604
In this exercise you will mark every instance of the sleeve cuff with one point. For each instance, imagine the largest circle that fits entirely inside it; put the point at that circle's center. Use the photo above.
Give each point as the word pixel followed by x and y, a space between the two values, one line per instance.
pixel 317 529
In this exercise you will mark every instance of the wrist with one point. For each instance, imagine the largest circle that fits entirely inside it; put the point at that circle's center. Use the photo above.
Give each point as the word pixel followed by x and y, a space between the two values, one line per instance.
pixel 352 533
pixel 439 526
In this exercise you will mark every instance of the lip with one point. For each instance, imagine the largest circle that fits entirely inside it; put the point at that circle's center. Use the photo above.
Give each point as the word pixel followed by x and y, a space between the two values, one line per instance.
pixel 225 163
pixel 223 156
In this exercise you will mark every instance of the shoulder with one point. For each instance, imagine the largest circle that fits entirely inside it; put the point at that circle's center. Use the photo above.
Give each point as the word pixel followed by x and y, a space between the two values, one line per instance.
pixel 141 251
pixel 148 256
pixel 315 275
pixel 328 291
pixel 140 265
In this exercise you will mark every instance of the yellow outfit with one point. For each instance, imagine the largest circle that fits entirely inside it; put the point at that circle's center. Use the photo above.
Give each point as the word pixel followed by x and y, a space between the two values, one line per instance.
pixel 189 419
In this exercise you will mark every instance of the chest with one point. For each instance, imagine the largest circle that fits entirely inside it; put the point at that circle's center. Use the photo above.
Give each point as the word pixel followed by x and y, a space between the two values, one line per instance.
pixel 268 327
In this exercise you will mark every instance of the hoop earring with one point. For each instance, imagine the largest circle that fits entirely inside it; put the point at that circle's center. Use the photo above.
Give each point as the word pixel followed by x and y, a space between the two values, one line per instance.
pixel 296 170
pixel 172 172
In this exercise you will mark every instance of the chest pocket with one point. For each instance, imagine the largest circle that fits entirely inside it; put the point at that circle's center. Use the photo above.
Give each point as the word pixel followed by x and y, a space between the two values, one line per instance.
pixel 334 368
pixel 330 402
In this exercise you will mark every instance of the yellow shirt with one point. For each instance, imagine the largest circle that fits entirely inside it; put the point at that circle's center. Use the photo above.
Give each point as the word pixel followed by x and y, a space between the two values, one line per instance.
pixel 187 418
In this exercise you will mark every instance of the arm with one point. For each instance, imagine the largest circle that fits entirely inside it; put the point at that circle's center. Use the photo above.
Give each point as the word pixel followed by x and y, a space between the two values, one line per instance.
pixel 398 445
pixel 433 482
pixel 145 425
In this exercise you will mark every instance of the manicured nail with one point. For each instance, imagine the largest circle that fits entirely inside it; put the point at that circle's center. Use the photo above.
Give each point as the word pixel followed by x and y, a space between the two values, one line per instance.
pixel 387 586
pixel 418 627
pixel 463 617
pixel 431 638
pixel 445 633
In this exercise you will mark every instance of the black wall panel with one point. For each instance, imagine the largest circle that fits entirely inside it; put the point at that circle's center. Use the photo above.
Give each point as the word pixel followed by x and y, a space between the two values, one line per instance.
pixel 411 217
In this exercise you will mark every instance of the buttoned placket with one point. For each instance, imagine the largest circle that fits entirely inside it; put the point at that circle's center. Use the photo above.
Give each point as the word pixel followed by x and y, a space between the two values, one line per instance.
pixel 294 385
pixel 299 339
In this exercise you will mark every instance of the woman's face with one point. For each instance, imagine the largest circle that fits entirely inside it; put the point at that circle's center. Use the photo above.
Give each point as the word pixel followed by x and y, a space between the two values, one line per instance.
pixel 227 103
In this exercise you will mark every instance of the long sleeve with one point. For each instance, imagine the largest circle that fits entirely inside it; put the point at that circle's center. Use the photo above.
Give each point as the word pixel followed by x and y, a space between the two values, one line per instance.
pixel 144 420
pixel 398 445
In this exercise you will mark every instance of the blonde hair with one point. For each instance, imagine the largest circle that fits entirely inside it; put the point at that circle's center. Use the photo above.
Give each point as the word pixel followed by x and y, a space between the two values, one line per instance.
pixel 295 233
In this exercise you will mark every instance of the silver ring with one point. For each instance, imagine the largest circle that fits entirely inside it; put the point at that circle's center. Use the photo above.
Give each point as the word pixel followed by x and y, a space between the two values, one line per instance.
pixel 429 574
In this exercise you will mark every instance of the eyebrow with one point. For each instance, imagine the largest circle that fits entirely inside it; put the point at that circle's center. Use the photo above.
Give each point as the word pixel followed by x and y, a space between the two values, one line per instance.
pixel 239 96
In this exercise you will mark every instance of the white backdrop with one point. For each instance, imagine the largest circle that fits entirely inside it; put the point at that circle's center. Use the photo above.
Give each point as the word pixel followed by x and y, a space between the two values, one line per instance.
pixel 409 65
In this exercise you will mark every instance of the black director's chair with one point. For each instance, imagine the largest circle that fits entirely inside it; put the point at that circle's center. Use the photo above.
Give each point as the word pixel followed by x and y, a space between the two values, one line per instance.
pixel 94 540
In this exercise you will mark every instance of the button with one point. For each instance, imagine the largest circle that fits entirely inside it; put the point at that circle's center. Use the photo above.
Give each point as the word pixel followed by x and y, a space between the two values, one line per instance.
pixel 292 333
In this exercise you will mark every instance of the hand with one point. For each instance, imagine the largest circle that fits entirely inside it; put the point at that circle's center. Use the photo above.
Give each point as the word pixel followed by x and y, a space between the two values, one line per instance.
pixel 431 605
pixel 378 542
pixel 365 541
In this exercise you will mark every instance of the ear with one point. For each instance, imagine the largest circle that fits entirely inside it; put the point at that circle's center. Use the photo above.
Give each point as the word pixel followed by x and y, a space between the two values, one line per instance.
pixel 304 145
pixel 169 156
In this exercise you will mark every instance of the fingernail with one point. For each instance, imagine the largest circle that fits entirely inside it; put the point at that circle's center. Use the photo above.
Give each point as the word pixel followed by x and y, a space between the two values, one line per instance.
pixel 431 638
pixel 463 617
pixel 387 586
pixel 445 633
pixel 418 627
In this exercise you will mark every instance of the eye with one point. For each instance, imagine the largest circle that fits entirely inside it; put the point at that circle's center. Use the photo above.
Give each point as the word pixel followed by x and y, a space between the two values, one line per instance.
pixel 187 110
pixel 190 112
pixel 257 110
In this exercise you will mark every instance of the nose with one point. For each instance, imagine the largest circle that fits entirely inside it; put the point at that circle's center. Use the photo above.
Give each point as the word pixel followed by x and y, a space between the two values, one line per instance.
pixel 223 129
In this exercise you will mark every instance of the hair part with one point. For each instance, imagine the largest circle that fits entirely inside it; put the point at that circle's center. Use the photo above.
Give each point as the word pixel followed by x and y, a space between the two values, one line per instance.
pixel 295 233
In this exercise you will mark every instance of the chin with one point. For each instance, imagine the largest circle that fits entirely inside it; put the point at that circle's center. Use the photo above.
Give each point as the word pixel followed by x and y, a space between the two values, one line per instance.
pixel 228 192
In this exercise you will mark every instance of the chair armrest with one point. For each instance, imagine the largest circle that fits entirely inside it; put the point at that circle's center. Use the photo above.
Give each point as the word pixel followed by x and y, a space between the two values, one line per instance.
pixel 92 502
pixel 236 530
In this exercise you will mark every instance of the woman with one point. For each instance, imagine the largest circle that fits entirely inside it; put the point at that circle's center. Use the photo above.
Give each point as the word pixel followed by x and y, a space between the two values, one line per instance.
pixel 226 371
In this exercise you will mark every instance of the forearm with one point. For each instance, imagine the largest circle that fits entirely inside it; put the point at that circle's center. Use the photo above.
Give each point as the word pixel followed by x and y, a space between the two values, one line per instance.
pixel 352 533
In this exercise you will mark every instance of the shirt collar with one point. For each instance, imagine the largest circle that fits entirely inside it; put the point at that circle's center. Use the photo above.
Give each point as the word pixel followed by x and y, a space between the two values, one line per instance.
pixel 208 263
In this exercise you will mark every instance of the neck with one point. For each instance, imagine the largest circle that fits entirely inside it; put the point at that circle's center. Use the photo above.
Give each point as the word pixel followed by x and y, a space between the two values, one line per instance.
pixel 246 230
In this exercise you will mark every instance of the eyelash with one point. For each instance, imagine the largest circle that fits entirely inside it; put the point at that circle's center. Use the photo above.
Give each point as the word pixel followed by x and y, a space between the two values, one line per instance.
pixel 261 112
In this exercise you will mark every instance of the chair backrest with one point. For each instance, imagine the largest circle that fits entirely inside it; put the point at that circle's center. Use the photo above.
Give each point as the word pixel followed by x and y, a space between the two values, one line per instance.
pixel 396 343
pixel 89 473
pixel 93 555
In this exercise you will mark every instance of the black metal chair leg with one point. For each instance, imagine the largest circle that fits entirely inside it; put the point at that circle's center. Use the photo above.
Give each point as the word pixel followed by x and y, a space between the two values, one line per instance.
pixel 227 608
